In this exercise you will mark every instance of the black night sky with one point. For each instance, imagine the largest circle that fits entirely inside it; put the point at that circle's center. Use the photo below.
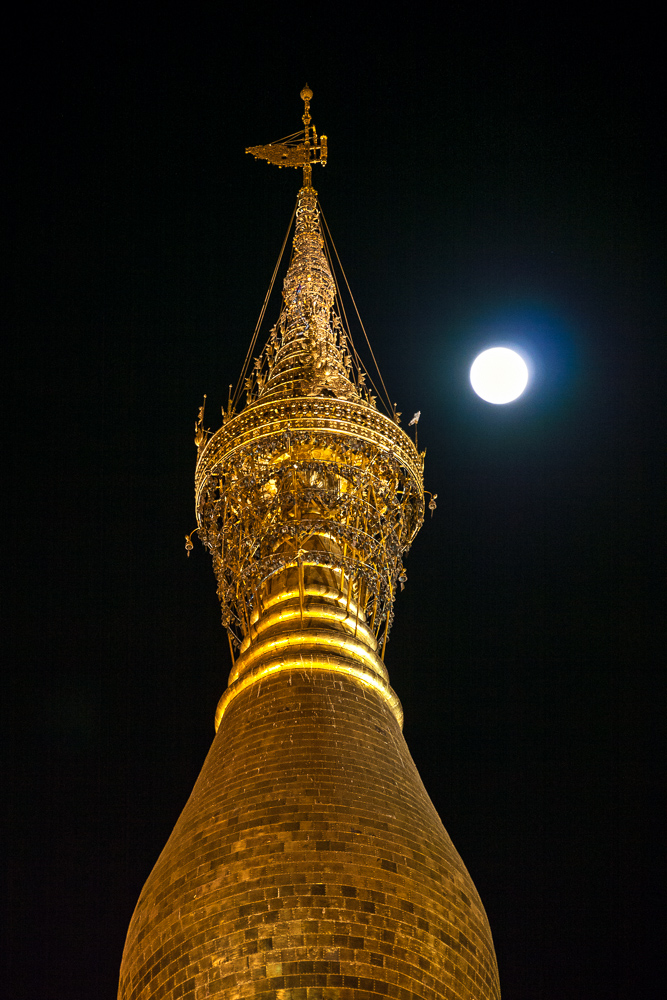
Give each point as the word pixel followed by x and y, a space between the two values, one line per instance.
pixel 494 175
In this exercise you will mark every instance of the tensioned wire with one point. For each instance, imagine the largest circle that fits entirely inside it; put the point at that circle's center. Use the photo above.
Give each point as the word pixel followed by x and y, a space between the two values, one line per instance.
pixel 377 367
pixel 361 367
pixel 294 136
pixel 237 390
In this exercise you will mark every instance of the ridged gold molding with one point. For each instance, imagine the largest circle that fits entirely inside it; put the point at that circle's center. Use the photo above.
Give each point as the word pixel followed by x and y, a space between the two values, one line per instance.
pixel 313 628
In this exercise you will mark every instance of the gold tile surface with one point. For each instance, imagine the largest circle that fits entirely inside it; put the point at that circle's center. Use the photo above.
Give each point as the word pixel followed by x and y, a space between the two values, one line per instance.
pixel 309 863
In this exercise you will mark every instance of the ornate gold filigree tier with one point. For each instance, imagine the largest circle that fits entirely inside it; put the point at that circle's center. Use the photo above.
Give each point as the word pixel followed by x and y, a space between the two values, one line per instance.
pixel 309 493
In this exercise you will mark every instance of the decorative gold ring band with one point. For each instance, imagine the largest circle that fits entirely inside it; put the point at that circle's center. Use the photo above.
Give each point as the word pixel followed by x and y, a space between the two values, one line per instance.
pixel 298 662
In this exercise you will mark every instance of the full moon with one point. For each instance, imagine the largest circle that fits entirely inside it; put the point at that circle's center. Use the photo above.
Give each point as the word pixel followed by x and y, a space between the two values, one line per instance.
pixel 499 375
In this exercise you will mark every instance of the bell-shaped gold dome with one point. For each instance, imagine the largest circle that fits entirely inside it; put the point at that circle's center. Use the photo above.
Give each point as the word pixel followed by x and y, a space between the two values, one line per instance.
pixel 309 862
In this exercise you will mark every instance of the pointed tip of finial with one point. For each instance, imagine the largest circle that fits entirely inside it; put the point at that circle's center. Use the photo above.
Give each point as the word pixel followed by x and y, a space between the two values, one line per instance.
pixel 306 94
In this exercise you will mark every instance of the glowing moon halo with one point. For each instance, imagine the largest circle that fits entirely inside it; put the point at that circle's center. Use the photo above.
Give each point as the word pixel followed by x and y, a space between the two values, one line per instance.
pixel 499 375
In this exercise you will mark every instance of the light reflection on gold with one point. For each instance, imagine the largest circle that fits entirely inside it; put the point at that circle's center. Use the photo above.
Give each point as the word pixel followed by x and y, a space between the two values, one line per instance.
pixel 298 662
pixel 287 615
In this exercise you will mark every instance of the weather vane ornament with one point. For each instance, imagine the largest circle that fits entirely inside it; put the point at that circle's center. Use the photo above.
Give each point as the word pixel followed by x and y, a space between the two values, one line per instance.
pixel 301 149
pixel 308 497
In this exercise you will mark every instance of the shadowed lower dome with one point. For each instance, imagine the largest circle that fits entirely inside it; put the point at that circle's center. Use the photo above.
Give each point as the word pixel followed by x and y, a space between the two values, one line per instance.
pixel 309 862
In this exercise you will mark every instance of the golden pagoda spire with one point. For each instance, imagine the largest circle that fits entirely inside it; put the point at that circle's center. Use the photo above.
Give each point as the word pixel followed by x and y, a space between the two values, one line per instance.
pixel 309 862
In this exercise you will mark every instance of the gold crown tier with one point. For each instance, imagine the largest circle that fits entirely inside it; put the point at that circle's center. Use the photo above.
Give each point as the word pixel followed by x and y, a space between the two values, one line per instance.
pixel 309 864
pixel 306 482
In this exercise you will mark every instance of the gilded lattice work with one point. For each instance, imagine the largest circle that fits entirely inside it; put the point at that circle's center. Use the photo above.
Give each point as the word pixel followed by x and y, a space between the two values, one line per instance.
pixel 307 487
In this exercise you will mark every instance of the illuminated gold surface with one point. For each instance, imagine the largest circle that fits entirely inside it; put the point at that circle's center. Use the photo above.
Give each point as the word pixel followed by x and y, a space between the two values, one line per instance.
pixel 300 661
pixel 309 862
pixel 333 612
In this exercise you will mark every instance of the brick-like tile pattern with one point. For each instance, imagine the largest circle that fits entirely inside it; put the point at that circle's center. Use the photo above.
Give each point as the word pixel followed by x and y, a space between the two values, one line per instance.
pixel 309 864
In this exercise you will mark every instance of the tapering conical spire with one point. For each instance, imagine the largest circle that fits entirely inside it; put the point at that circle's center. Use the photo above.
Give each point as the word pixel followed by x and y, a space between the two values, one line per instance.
pixel 309 862
pixel 313 359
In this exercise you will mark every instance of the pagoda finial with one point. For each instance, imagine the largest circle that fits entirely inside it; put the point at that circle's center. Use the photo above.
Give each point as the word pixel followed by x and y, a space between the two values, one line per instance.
pixel 306 95
pixel 302 149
